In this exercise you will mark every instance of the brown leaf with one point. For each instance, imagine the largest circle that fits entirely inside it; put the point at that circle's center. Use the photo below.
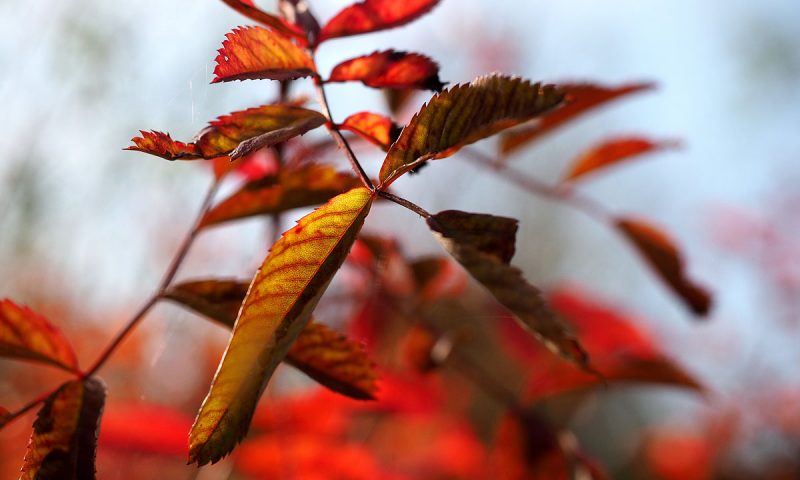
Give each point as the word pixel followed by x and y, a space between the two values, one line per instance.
pixel 465 114
pixel 612 152
pixel 580 98
pixel 291 188
pixel 663 256
pixel 390 69
pixel 253 53
pixel 215 298
pixel 373 15
pixel 249 10
pixel 374 128
pixel 64 439
pixel 26 334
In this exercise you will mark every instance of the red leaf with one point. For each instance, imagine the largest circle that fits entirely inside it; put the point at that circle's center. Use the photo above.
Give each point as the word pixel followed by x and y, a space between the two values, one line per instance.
pixel 249 10
pixel 145 428
pixel 613 151
pixel 580 99
pixel 251 53
pixel 663 256
pixel 372 127
pixel 28 335
pixel 372 15
pixel 390 69
pixel 162 145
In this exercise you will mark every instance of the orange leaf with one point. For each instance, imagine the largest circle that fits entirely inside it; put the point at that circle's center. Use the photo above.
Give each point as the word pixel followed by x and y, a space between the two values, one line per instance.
pixel 249 10
pixel 390 69
pixel 663 256
pixel 334 361
pixel 278 306
pixel 145 428
pixel 465 114
pixel 291 188
pixel 374 128
pixel 252 53
pixel 373 15
pixel 612 152
pixel 64 438
pixel 26 334
pixel 580 98
pixel 162 145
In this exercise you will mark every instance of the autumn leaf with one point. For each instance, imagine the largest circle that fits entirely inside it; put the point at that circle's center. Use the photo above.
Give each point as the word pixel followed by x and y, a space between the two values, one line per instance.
pixel 374 128
pixel 278 306
pixel 465 114
pixel 483 245
pixel 373 15
pixel 218 299
pixel 390 69
pixel 64 439
pixel 162 145
pixel 253 53
pixel 612 152
pixel 249 10
pixel 26 334
pixel 291 188
pixel 580 98
pixel 138 428
pixel 663 256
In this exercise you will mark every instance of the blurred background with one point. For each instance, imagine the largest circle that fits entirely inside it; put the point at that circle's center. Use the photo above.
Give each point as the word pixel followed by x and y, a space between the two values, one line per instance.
pixel 87 229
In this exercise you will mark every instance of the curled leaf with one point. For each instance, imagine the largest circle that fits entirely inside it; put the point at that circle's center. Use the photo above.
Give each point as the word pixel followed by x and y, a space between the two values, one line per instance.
pixel 483 245
pixel 162 145
pixel 374 128
pixel 26 334
pixel 253 53
pixel 290 188
pixel 249 10
pixel 580 98
pixel 390 69
pixel 663 256
pixel 612 152
pixel 64 439
pixel 373 15
pixel 465 114
pixel 278 306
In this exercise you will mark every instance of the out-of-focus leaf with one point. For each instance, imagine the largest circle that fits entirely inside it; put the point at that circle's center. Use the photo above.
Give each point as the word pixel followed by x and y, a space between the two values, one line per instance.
pixel 612 152
pixel 621 351
pixel 236 134
pixel 334 361
pixel 465 114
pixel 437 277
pixel 374 128
pixel 64 438
pixel 162 145
pixel 217 299
pixel 297 12
pixel 580 98
pixel 278 306
pixel 663 256
pixel 373 15
pixel 483 245
pixel 253 53
pixel 249 10
pixel 145 428
pixel 397 99
pixel 390 69
pixel 28 335
pixel 291 188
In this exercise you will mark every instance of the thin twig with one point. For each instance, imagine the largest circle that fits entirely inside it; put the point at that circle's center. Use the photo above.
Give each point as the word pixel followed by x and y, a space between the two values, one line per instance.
pixel 405 203
pixel 10 417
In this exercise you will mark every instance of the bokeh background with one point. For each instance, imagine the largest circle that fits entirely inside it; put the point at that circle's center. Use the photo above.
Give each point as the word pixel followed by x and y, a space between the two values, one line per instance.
pixel 86 229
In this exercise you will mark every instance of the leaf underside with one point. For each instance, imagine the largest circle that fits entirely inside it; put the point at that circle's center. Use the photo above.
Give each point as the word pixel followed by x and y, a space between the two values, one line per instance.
pixel 249 10
pixel 373 15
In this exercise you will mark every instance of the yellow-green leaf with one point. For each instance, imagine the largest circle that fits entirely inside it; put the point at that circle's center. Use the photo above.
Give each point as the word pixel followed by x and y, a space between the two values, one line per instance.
pixel 483 245
pixel 26 334
pixel 290 188
pixel 64 439
pixel 278 306
pixel 465 114
pixel 251 53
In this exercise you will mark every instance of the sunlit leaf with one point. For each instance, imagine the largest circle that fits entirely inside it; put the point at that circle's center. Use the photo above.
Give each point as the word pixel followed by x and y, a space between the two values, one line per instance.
pixel 663 256
pixel 249 10
pixel 26 334
pixel 483 245
pixel 278 306
pixel 390 69
pixel 612 152
pixel 291 188
pixel 252 53
pixel 465 114
pixel 64 439
pixel 142 428
pixel 372 15
pixel 162 145
pixel 580 98
pixel 374 128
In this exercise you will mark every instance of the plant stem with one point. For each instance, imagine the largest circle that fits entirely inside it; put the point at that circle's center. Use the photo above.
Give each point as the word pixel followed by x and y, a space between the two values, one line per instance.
pixel 405 203
pixel 169 275
pixel 10 417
